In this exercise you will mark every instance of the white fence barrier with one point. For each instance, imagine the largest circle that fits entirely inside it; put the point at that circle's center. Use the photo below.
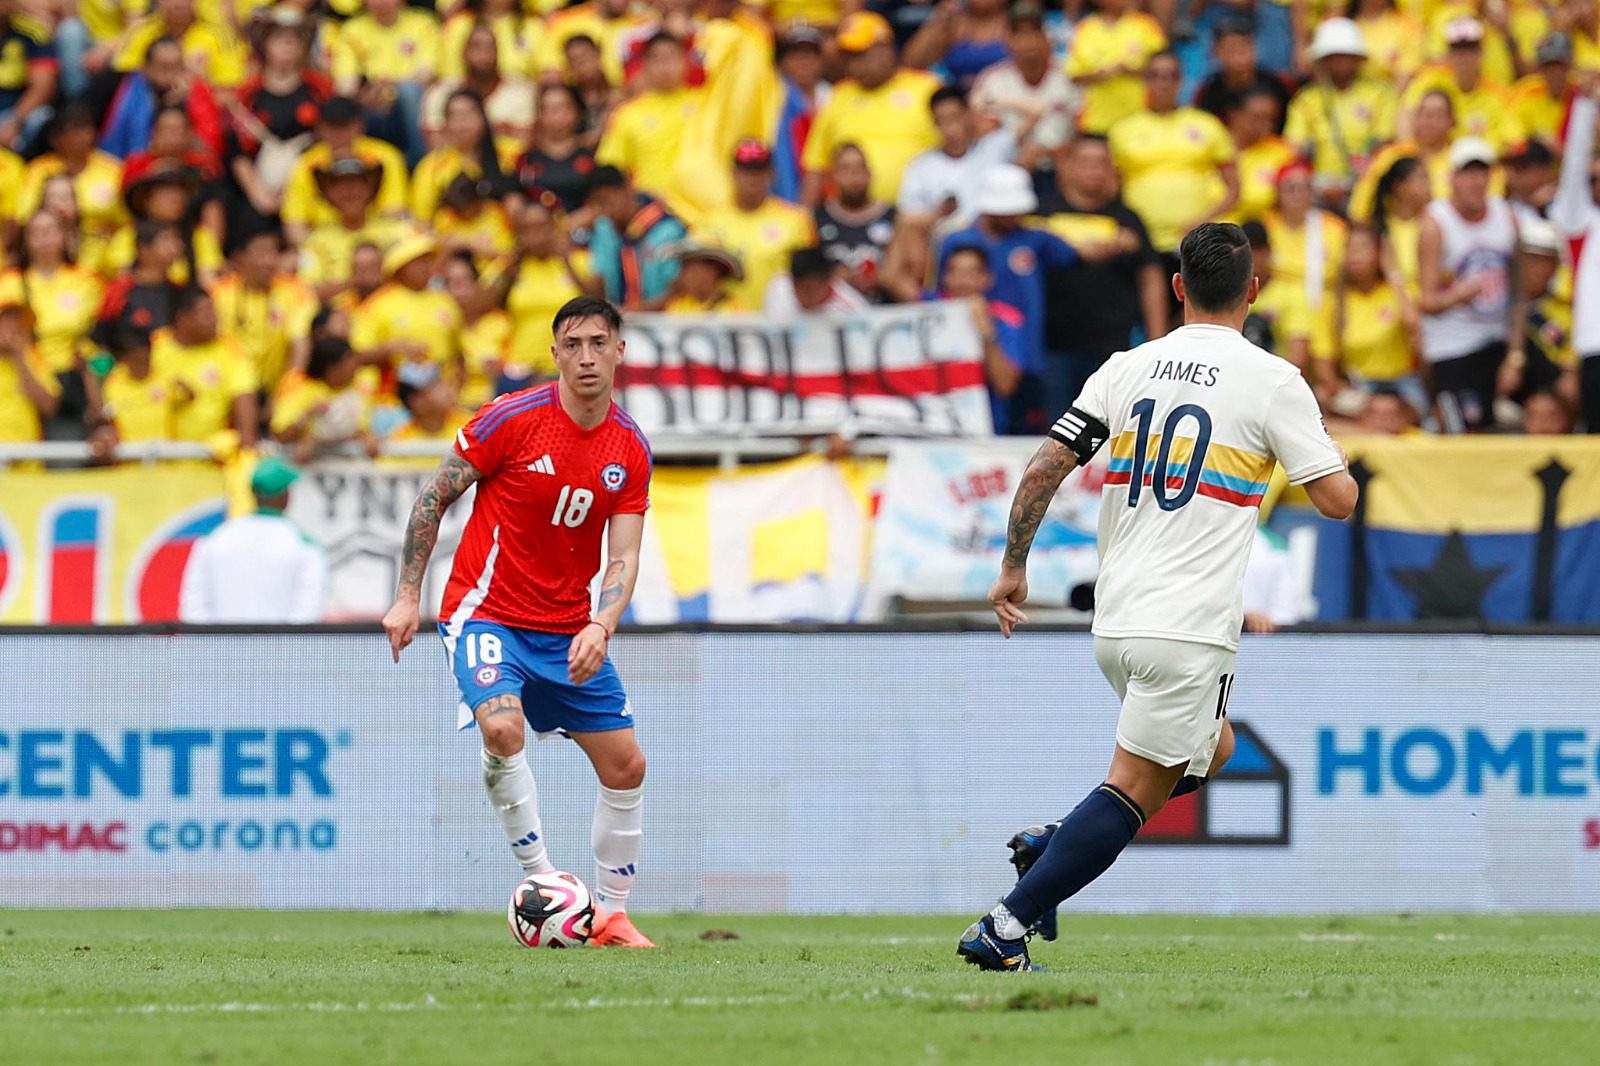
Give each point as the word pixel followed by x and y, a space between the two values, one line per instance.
pixel 813 772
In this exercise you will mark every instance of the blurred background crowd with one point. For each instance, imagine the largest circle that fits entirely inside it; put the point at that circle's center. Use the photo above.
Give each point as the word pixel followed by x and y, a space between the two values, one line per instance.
pixel 329 223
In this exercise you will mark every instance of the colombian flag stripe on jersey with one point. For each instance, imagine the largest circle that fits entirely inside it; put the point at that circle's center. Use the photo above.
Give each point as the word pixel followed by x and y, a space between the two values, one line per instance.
pixel 1232 475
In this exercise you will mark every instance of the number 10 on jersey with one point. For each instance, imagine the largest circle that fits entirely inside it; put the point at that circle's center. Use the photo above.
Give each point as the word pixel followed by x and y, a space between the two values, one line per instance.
pixel 572 507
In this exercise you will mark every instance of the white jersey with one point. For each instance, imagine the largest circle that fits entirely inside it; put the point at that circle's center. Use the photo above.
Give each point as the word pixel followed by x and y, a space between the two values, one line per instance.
pixel 256 568
pixel 1482 250
pixel 1211 414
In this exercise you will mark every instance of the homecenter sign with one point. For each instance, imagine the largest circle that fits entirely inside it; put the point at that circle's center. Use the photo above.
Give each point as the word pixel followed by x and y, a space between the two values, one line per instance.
pixel 1428 760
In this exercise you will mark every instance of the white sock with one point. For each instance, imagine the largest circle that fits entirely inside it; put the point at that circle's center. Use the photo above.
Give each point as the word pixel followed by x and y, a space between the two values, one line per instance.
pixel 618 830
pixel 1006 924
pixel 515 798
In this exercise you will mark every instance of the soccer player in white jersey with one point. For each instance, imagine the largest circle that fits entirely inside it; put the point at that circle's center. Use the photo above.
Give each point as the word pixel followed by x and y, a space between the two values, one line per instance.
pixel 1196 421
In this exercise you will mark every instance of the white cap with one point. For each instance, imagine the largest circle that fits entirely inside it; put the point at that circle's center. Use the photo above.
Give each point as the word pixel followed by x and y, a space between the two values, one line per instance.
pixel 1469 150
pixel 1538 235
pixel 1337 37
pixel 1006 189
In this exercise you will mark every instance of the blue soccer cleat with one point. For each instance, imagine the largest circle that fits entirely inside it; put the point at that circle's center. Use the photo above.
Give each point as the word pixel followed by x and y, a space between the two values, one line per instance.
pixel 986 949
pixel 1026 847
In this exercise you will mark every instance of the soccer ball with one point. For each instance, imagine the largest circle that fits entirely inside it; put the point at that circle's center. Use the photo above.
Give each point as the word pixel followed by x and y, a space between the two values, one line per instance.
pixel 552 910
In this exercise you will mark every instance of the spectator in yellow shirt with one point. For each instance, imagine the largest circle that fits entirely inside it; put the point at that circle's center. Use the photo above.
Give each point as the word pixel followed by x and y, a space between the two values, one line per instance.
pixel 350 185
pixel 546 274
pixel 1307 243
pixel 485 331
pixel 760 230
pixel 1394 40
pixel 29 393
pixel 1433 126
pixel 210 49
pixel 213 384
pixel 513 34
pixel 266 311
pixel 644 135
pixel 62 298
pixel 1278 321
pixel 1369 328
pixel 1177 163
pixel 1261 154
pixel 408 321
pixel 385 58
pixel 340 132
pixel 1402 197
pixel 473 220
pixel 434 411
pixel 320 409
pixel 881 108
pixel 1483 108
pixel 1341 118
pixel 1110 50
pixel 469 148
pixel 508 98
pixel 166 191
pixel 604 23
pixel 135 401
pixel 96 179
pixel 1539 101
pixel 702 286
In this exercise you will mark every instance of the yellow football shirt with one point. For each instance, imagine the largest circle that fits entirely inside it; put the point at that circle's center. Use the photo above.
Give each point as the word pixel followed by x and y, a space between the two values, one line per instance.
pixel 436 170
pixel 19 419
pixel 11 171
pixel 1377 346
pixel 1341 130
pixel 405 51
pixel 1170 169
pixel 1284 307
pixel 266 324
pixel 490 235
pixel 644 135
pixel 211 48
pixel 1258 177
pixel 98 188
pixel 1528 24
pixel 484 343
pixel 205 378
pixel 325 256
pixel 64 306
pixel 1537 113
pixel 1099 44
pixel 396 313
pixel 140 408
pixel 1394 43
pixel 120 251
pixel 891 124
pixel 1289 249
pixel 453 423
pixel 549 52
pixel 763 239
pixel 542 286
pixel 515 37
pixel 345 412
pixel 303 202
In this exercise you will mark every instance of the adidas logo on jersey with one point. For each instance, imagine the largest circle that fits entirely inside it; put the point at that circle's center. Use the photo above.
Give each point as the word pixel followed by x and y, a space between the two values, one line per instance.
pixel 545 465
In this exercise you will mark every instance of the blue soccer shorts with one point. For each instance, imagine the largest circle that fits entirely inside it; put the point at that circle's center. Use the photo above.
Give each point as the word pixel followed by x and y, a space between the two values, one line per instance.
pixel 489 659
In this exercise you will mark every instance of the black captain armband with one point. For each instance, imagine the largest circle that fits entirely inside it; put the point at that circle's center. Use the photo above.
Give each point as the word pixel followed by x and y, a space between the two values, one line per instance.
pixel 1083 433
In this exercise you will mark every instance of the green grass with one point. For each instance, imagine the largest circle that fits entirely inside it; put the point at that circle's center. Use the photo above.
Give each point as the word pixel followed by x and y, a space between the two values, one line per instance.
pixel 209 986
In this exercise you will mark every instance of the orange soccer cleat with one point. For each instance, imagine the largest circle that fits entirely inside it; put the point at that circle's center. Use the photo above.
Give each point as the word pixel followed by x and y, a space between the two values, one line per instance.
pixel 615 930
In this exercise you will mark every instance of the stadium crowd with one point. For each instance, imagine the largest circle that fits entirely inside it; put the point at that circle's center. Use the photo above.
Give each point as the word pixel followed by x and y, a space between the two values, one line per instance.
pixel 330 221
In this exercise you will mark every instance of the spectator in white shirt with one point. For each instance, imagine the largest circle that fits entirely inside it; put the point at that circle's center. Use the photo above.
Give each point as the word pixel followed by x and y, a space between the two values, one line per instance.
pixel 258 568
pixel 938 185
pixel 1030 84
pixel 812 286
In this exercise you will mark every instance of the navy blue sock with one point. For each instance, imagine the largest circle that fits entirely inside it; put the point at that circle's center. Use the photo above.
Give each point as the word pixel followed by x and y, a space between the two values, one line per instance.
pixel 1088 842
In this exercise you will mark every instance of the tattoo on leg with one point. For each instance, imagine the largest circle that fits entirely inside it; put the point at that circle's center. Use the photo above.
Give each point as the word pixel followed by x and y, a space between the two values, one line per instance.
pixel 495 706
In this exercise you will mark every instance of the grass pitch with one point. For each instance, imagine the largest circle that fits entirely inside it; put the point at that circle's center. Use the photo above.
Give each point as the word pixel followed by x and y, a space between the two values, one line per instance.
pixel 252 987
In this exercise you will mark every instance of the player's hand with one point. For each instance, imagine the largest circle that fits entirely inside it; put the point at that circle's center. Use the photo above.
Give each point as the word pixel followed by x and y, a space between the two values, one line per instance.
pixel 587 653
pixel 401 624
pixel 1009 592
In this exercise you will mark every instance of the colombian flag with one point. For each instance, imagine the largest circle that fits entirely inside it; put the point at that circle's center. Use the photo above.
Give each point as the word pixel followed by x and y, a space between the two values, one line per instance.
pixel 1491 529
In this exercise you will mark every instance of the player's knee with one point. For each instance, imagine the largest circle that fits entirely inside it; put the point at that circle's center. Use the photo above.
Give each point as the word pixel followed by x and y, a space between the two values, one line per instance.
pixel 502 736
pixel 626 773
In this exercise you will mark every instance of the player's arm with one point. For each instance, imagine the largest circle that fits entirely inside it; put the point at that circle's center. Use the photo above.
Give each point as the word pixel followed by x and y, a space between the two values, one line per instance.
pixel 452 479
pixel 1073 440
pixel 624 534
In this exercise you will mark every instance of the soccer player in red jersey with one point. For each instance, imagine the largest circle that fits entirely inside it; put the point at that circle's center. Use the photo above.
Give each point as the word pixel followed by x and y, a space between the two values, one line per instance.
pixel 553 465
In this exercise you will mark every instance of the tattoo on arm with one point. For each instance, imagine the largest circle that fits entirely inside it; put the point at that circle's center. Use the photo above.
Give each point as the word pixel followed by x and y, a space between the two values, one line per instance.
pixel 422 529
pixel 1046 470
pixel 612 586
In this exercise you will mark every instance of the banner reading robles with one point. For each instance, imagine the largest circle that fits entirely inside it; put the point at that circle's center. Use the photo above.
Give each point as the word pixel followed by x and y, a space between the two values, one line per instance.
pixel 914 370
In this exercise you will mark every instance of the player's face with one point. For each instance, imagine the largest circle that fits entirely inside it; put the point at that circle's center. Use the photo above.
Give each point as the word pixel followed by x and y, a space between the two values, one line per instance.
pixel 587 352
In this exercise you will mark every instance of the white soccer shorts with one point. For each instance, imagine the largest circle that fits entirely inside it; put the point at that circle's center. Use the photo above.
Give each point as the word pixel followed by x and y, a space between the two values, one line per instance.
pixel 1174 697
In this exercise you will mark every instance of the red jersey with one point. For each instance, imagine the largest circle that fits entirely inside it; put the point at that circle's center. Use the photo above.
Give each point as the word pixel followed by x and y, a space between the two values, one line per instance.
pixel 532 544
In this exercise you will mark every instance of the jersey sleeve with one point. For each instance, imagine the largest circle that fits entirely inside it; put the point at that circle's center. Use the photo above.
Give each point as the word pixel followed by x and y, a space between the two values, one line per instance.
pixel 487 440
pixel 1297 436
pixel 635 498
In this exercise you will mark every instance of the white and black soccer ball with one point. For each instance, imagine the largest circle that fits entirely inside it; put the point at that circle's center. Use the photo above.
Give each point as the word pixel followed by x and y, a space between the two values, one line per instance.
pixel 552 910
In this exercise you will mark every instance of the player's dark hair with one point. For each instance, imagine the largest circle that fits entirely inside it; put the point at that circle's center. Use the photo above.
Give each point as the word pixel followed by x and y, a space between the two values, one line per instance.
pixel 587 307
pixel 947 92
pixel 327 353
pixel 810 263
pixel 1215 262
pixel 187 298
